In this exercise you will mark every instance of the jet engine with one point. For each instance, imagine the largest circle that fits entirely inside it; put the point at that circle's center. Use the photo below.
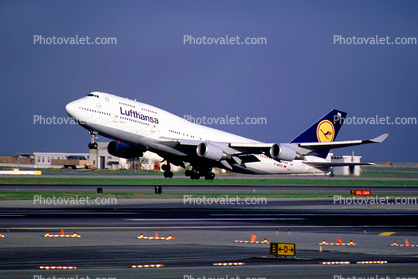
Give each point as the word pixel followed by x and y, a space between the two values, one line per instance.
pixel 210 151
pixel 123 150
pixel 282 152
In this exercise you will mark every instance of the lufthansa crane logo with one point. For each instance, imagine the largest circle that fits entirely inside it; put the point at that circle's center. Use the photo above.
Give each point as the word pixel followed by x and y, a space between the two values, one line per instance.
pixel 325 131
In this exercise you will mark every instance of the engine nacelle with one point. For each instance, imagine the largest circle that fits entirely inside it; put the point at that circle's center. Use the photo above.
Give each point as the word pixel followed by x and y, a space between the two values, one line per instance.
pixel 210 151
pixel 123 150
pixel 282 152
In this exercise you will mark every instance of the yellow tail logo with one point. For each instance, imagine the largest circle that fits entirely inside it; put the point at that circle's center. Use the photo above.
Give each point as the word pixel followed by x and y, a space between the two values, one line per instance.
pixel 325 131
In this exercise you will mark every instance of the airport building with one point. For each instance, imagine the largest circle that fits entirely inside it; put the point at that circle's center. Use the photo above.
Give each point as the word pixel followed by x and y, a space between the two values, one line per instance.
pixel 345 170
pixel 101 159
pixel 45 160
pixel 97 158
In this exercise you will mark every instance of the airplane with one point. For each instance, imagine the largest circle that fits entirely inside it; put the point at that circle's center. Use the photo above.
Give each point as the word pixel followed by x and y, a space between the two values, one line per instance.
pixel 137 127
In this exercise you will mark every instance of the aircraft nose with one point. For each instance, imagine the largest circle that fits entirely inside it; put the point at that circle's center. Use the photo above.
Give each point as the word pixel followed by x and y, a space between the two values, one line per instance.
pixel 70 108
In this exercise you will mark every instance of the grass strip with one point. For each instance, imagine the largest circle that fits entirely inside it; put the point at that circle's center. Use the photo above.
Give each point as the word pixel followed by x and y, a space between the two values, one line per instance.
pixel 44 180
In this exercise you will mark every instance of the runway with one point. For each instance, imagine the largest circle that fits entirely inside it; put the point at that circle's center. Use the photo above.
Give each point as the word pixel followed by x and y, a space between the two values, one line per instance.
pixel 375 190
pixel 205 234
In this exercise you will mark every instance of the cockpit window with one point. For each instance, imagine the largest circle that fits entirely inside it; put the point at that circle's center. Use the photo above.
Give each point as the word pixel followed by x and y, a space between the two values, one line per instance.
pixel 94 95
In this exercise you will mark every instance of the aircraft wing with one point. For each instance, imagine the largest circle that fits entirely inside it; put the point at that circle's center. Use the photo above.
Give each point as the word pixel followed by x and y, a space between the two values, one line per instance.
pixel 229 148
pixel 287 151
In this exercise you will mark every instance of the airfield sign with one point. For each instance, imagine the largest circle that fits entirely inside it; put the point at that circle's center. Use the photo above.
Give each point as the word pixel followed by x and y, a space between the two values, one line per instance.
pixel 284 249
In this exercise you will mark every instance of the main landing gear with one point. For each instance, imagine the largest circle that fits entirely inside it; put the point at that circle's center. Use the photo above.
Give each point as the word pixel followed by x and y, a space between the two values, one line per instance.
pixel 193 174
pixel 93 144
pixel 167 172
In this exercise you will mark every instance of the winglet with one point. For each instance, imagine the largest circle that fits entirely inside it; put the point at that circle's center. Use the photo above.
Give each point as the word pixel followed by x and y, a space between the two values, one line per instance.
pixel 380 138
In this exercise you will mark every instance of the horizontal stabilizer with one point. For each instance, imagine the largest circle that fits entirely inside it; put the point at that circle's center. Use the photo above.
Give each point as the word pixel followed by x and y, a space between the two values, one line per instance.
pixel 338 164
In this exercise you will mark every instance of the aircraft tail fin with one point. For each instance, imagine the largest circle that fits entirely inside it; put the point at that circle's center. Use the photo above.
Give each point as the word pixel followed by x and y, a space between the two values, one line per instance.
pixel 324 130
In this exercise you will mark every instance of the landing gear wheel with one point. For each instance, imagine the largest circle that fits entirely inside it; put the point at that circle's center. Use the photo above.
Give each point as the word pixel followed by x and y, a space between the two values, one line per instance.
pixel 212 176
pixel 165 168
pixel 195 175
pixel 168 174
pixel 209 176
pixel 93 145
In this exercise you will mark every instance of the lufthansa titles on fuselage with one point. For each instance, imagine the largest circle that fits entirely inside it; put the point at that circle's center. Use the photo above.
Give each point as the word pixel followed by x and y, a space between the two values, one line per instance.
pixel 138 115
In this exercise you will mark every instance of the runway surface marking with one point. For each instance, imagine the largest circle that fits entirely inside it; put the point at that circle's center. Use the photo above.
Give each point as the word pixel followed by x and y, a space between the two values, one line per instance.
pixel 387 233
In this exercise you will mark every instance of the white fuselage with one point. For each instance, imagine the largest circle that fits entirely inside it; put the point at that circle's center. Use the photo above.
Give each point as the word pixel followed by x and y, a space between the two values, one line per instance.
pixel 146 126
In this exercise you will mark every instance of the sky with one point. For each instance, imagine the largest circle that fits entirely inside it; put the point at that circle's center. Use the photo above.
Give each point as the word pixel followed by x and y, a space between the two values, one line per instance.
pixel 294 78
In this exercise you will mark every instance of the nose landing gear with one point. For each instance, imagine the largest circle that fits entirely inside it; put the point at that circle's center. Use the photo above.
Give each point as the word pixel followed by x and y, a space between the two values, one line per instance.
pixel 93 144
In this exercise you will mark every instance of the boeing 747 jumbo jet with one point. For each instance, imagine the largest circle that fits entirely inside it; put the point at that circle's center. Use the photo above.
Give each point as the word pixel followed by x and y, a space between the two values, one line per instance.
pixel 136 127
